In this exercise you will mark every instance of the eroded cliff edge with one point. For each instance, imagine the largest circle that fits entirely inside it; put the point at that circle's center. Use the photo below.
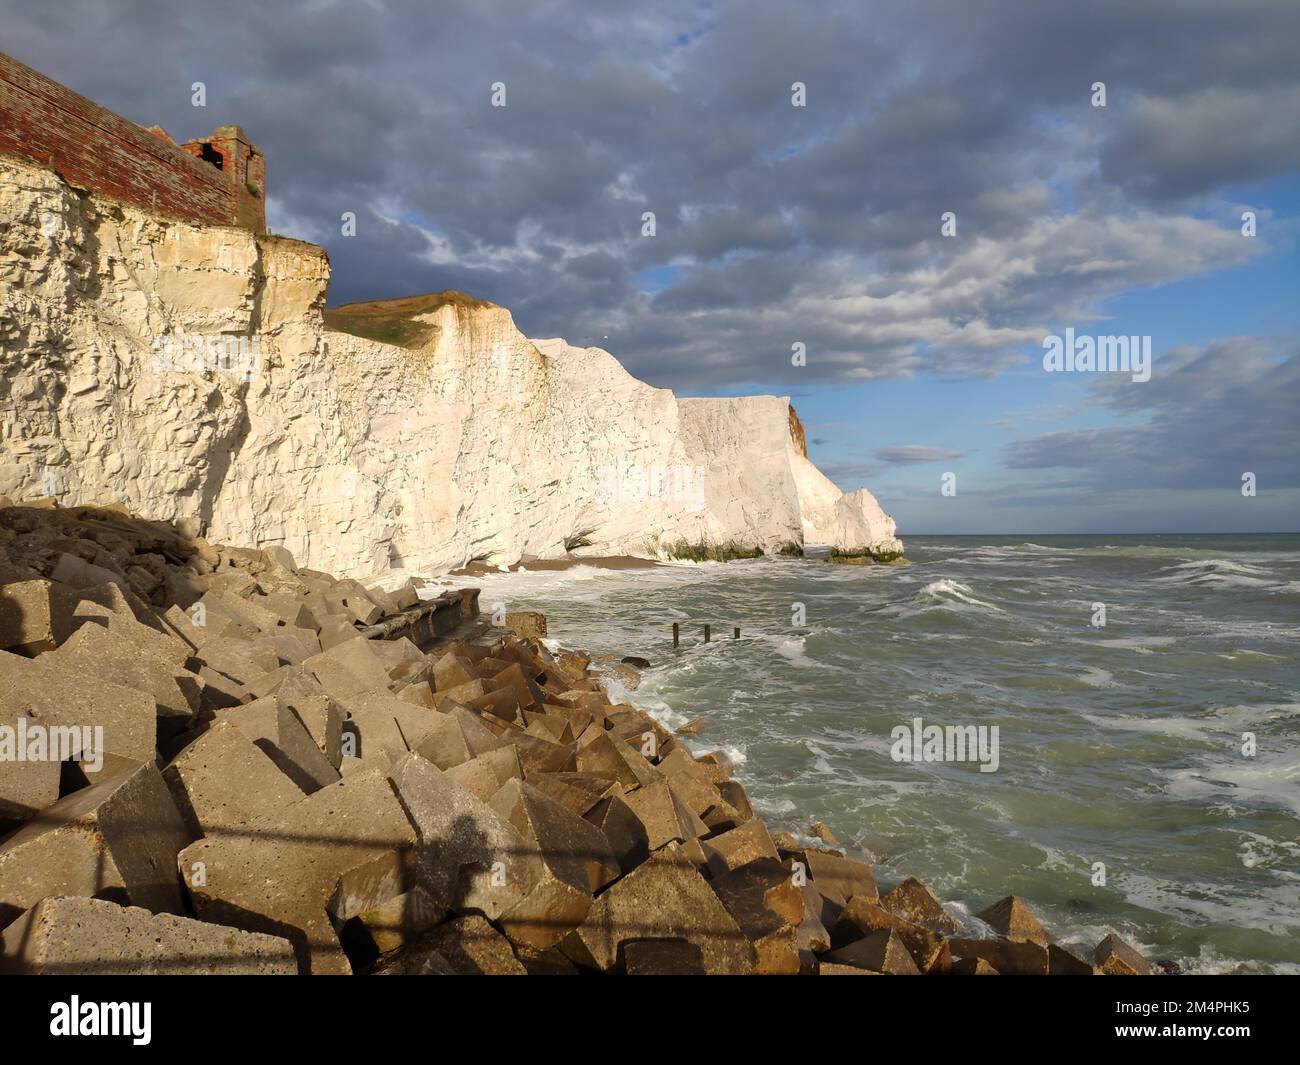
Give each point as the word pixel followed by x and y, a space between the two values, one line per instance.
pixel 359 455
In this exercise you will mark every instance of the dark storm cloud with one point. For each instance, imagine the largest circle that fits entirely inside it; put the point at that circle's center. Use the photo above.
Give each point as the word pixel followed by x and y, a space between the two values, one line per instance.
pixel 1206 417
pixel 775 224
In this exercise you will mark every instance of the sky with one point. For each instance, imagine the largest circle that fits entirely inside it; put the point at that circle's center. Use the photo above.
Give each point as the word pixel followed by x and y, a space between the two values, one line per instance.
pixel 811 217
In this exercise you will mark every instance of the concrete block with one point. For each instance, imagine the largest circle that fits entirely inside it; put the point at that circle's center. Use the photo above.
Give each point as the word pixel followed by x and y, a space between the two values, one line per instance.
pixel 320 715
pixel 861 917
pixel 64 936
pixel 278 733
pixel 52 693
pixel 35 616
pixel 1012 919
pixel 914 902
pixel 665 817
pixel 882 952
pixel 222 782
pixel 841 879
pixel 27 786
pixel 103 653
pixel 466 946
pixel 575 858
pixel 664 898
pixel 116 838
pixel 284 875
pixel 739 846
pixel 1115 957
pixel 470 858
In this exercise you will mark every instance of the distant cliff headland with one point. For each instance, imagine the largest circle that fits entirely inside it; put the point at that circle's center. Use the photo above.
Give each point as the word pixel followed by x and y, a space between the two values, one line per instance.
pixel 162 349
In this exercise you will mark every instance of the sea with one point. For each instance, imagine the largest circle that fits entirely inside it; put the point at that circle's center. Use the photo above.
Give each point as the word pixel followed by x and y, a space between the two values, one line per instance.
pixel 1145 690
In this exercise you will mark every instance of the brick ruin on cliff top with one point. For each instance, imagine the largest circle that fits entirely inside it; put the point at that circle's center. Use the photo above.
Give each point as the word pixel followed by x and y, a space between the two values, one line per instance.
pixel 220 179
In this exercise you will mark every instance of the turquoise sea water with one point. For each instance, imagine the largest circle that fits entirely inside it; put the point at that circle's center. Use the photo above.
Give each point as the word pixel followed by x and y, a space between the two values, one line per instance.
pixel 1120 744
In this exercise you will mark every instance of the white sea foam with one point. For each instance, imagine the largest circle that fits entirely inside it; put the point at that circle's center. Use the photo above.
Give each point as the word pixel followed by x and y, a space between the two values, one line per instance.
pixel 1096 677
pixel 1270 779
pixel 943 594
pixel 1217 573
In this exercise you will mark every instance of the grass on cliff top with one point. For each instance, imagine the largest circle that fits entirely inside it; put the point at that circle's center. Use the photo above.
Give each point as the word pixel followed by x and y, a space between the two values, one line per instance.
pixel 393 321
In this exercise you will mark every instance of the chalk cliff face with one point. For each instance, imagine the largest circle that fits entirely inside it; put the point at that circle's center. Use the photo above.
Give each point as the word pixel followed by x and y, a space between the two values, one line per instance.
pixel 186 371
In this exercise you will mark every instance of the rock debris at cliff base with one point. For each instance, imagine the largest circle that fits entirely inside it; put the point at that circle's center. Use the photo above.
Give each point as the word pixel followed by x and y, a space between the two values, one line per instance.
pixel 275 778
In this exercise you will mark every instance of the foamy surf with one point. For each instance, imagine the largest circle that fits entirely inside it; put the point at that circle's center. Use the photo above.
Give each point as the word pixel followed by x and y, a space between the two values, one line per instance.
pixel 1092 748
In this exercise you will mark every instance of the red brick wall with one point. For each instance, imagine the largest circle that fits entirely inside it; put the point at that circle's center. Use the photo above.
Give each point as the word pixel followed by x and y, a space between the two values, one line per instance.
pixel 98 150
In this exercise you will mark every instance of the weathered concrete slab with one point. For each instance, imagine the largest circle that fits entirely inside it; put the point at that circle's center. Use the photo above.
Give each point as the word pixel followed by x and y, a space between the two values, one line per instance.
pixel 64 936
pixel 541 756
pixel 913 901
pixel 477 735
pixel 349 668
pixel 116 838
pixel 379 727
pixel 26 786
pixel 1115 957
pixel 54 694
pixel 575 861
pixel 1061 962
pixel 862 917
pixel 320 715
pixel 881 951
pixel 470 858
pixel 103 653
pixel 222 782
pixel 451 671
pixel 1007 957
pixel 1013 920
pixel 740 846
pixel 278 734
pixel 394 923
pixel 465 946
pixel 841 879
pixel 484 775
pixel 663 957
pixel 35 616
pixel 614 760
pixel 827 968
pixel 526 692
pixel 626 834
pixel 768 907
pixel 973 967
pixel 664 898
pixel 665 817
pixel 254 610
pixel 283 877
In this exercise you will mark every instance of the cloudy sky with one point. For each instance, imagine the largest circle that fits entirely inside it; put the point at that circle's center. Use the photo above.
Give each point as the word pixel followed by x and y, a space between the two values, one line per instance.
pixel 818 225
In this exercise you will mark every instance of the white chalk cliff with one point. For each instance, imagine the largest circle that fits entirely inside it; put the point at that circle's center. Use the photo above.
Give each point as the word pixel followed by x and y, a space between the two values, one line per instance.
pixel 358 456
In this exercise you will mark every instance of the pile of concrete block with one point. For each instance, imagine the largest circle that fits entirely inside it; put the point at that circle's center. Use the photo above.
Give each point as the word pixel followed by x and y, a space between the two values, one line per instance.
pixel 232 764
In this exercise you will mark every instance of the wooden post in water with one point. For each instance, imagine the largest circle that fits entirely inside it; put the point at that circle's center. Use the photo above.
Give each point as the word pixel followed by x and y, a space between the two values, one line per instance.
pixel 736 635
pixel 706 634
pixel 677 636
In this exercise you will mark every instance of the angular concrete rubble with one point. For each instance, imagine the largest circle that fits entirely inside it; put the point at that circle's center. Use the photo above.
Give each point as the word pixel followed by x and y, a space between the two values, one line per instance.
pixel 303 774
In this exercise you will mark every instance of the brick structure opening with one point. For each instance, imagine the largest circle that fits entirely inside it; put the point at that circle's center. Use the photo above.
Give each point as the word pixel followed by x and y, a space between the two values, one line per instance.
pixel 210 154
pixel 220 179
